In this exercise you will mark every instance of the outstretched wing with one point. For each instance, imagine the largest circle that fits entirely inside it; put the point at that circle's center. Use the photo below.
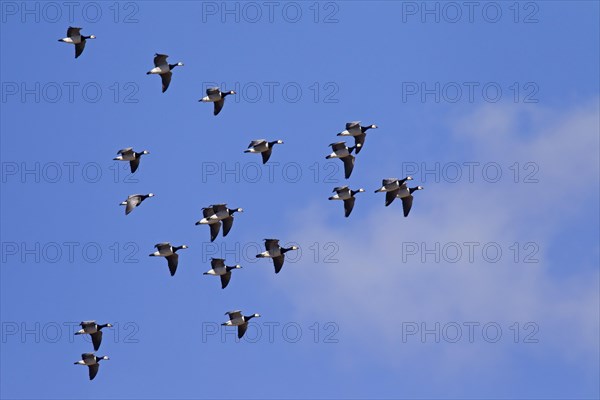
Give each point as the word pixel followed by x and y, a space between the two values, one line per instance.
pixel 79 48
pixel 278 262
pixel 348 206
pixel 214 230
pixel 219 106
pixel 208 212
pixel 348 165
pixel 227 224
pixel 134 164
pixel 166 80
pixel 338 146
pixel 73 31
pixel 351 125
pixel 390 196
pixel 242 329
pixel 271 244
pixel 173 260
pixel 93 370
pixel 132 202
pixel 266 155
pixel 407 204
pixel 160 59
pixel 96 339
pixel 234 314
pixel 225 279
pixel 359 140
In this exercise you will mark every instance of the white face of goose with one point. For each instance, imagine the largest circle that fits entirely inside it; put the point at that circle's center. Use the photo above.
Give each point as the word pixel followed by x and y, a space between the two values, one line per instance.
pixel 295 247
pixel 238 266
pixel 280 142
pixel 240 210
pixel 374 126
pixel 145 152
pixel 184 247
pixel 420 188
pixel 361 190
pixel 232 92
pixel 150 194
pixel 92 36
pixel 109 325
pixel 180 64
pixel 256 315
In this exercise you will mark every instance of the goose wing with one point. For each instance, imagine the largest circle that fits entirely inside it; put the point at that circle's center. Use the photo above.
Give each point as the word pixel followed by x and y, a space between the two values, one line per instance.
pixel 132 202
pixel 242 329
pixel 266 155
pixel 256 142
pixel 271 244
pixel 79 48
pixel 278 262
pixel 134 164
pixel 407 204
pixel 72 31
pixel 163 247
pixel 96 339
pixel 173 260
pixel 125 151
pixel 217 263
pixel 352 125
pixel 213 93
pixel 88 357
pixel 166 80
pixel 208 212
pixel 227 224
pixel 359 139
pixel 234 314
pixel 214 230
pixel 348 206
pixel 219 106
pixel 338 146
pixel 93 370
pixel 390 196
pixel 225 278
pixel 160 59
pixel 348 165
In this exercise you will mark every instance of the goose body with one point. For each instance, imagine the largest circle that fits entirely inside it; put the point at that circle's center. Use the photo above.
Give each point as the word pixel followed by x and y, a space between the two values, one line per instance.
pixel 357 131
pixel 163 68
pixel 262 146
pixel 344 153
pixel 92 362
pixel 347 195
pixel 214 95
pixel 218 268
pixel 133 157
pixel 94 330
pixel 276 252
pixel 237 319
pixel 168 251
pixel 133 201
pixel 75 37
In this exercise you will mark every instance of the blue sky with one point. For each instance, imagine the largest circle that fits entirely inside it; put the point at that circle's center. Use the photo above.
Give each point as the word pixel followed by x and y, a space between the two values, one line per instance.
pixel 346 316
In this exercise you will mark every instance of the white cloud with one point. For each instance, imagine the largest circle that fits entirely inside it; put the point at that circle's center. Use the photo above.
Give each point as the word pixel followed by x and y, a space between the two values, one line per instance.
pixel 371 286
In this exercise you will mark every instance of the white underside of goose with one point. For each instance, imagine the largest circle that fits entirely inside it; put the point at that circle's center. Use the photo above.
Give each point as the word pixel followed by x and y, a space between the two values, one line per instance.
pixel 163 69
pixel 73 40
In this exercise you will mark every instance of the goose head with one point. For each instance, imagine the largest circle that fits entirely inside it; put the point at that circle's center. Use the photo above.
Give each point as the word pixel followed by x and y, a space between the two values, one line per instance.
pixel 179 64
pixel 373 126
pixel 360 190
pixel 102 358
pixel 145 152
pixel 91 37
pixel 408 178
pixel 234 210
pixel 279 141
pixel 230 92
pixel 150 194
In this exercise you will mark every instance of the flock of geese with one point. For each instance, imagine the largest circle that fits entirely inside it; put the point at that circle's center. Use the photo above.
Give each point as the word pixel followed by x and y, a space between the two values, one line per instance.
pixel 217 215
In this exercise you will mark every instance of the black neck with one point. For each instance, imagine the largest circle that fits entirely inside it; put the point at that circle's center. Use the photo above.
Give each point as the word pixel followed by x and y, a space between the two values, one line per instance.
pixel 353 192
pixel 231 211
pixel 365 128
pixel 229 268
pixel 85 37
pixel 101 326
pixel 141 153
pixel 284 250
pixel 272 143
pixel 248 318
pixel 413 189
pixel 225 94
pixel 171 66
pixel 175 248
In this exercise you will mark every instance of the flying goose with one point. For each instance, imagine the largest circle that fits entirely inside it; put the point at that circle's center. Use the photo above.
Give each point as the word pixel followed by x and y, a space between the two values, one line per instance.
pixel 220 269
pixel 92 361
pixel 391 187
pixel 93 329
pixel 75 37
pixel 133 157
pixel 263 147
pixel 214 215
pixel 344 153
pixel 170 253
pixel 163 68
pixel 276 252
pixel 133 201
pixel 407 198
pixel 237 319
pixel 344 193
pixel 358 132
pixel 214 95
